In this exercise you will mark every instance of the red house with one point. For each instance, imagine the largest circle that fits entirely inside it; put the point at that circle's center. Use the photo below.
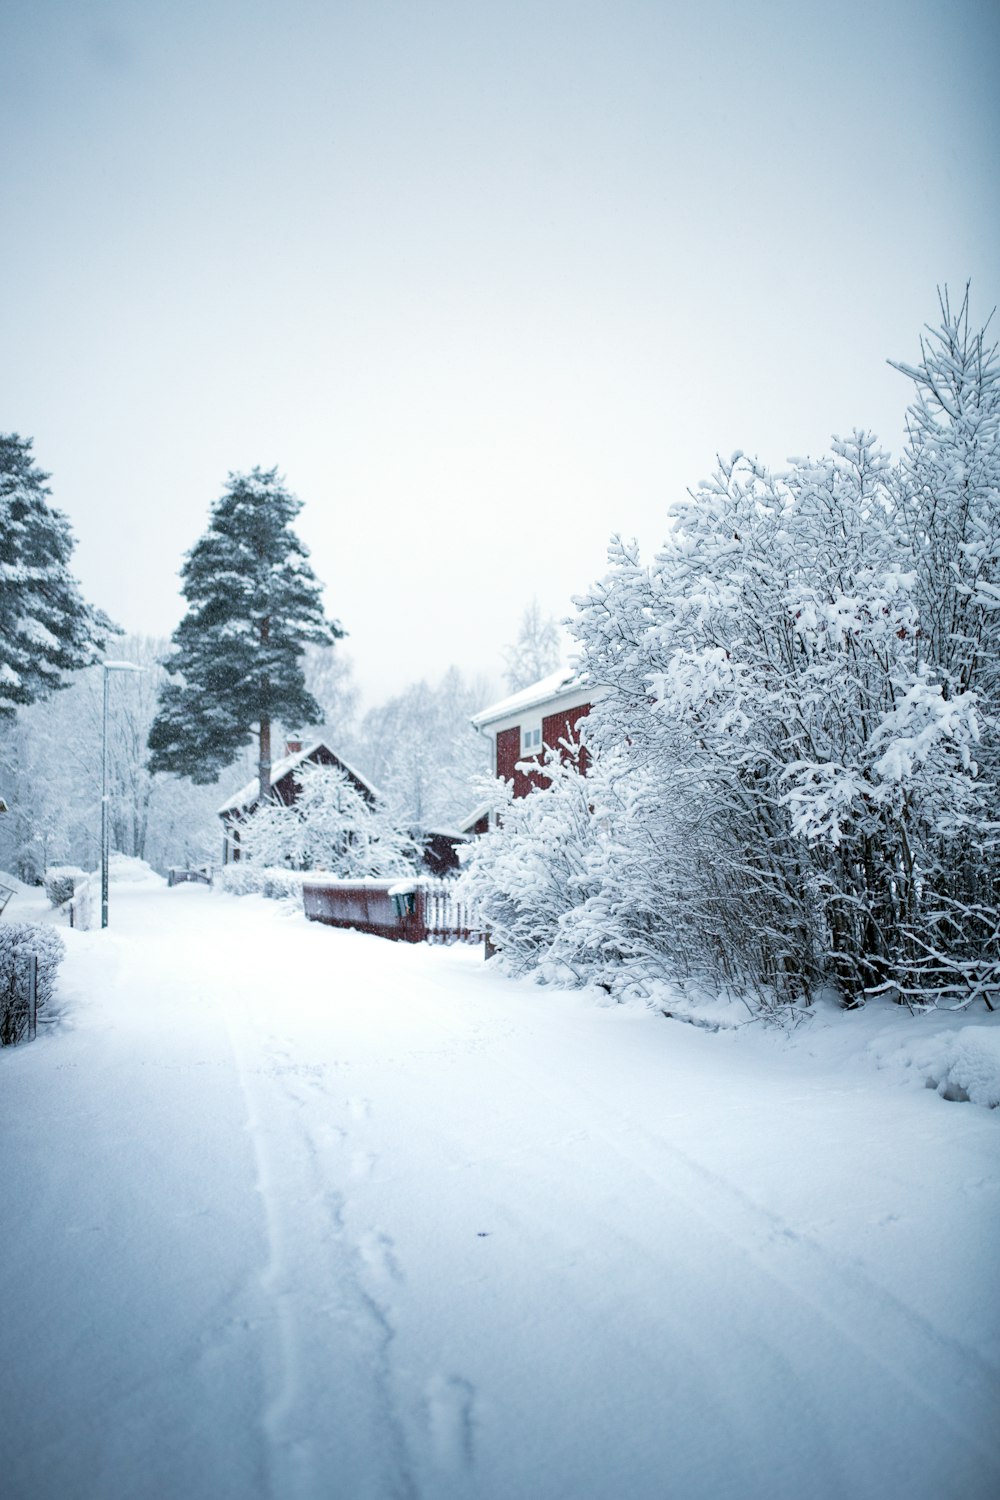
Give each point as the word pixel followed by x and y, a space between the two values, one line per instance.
pixel 538 717
pixel 284 787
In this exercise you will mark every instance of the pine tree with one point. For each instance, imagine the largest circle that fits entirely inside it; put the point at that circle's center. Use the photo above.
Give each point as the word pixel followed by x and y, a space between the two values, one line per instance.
pixel 46 629
pixel 254 605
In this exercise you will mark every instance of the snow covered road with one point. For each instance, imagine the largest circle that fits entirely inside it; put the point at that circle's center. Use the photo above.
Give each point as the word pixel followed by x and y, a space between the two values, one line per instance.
pixel 297 1213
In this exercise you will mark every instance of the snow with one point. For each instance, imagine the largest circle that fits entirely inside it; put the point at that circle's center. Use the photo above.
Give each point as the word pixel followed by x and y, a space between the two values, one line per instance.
pixel 538 692
pixel 298 1212
pixel 249 794
pixel 960 1065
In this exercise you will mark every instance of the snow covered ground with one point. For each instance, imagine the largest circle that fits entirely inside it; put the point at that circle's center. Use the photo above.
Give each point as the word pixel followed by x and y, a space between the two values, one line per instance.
pixel 298 1213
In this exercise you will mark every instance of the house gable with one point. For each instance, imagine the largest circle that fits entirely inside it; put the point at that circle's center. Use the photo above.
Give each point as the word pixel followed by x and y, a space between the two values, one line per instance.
pixel 285 788
pixel 534 722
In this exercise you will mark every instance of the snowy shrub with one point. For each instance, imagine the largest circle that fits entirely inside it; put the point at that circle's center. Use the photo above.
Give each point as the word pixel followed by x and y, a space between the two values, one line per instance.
pixel 527 873
pixel 127 869
pixel 797 747
pixel 18 941
pixel 282 885
pixel 240 879
pixel 246 879
pixel 60 883
pixel 807 677
pixel 330 827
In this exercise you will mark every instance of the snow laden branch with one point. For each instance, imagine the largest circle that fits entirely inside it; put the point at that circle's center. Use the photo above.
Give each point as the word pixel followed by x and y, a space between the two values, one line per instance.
pixel 797 750
pixel 330 826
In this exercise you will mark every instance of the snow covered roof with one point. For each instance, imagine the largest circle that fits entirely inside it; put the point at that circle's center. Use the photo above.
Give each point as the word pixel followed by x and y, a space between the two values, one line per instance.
pixel 249 794
pixel 565 680
pixel 469 822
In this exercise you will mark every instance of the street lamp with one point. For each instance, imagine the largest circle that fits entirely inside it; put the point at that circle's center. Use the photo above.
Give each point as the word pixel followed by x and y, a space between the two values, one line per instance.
pixel 109 667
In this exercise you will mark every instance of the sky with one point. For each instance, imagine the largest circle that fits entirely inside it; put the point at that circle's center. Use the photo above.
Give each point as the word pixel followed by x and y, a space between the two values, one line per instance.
pixel 487 282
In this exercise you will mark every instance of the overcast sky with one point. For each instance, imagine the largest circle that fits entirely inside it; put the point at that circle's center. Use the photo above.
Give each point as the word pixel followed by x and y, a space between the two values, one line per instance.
pixel 487 281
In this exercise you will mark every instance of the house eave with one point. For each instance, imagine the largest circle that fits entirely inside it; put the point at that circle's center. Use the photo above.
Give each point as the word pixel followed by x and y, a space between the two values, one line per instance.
pixel 520 707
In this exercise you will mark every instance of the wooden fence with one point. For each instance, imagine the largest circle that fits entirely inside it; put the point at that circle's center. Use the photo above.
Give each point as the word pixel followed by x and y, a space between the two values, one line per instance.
pixel 446 919
pixel 419 911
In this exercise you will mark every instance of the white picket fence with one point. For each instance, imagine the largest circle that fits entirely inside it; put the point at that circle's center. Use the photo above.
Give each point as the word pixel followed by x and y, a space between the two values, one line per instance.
pixel 447 919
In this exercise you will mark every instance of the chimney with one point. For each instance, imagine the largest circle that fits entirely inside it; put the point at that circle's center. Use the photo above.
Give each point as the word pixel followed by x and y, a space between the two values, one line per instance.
pixel 293 744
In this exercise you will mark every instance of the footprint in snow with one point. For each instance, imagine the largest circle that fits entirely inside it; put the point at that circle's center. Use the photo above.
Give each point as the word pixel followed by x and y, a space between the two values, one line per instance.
pixel 378 1253
pixel 451 1419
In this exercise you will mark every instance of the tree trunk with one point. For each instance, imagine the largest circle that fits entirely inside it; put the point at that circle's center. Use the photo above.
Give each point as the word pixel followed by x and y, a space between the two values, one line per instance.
pixel 264 761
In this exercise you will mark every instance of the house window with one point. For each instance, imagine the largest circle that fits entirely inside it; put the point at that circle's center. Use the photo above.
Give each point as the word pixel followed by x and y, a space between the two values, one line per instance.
pixel 531 738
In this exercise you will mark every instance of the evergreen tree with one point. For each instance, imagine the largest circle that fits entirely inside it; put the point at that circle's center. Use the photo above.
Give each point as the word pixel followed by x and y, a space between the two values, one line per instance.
pixel 46 629
pixel 254 604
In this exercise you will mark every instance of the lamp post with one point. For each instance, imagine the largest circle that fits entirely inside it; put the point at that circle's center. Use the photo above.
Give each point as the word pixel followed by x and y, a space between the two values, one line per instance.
pixel 109 667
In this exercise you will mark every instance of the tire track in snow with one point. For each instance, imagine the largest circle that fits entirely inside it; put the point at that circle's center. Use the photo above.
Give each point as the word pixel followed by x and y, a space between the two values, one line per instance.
pixel 331 1421
pixel 430 1430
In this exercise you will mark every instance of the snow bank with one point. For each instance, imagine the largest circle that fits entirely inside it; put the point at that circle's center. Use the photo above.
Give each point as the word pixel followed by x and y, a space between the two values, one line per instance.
pixel 125 868
pixel 29 903
pixel 275 882
pixel 961 1064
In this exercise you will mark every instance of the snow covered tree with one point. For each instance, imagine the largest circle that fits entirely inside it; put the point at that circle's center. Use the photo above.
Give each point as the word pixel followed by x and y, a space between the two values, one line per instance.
pixel 50 770
pixel 948 503
pixel 254 605
pixel 797 769
pixel 54 814
pixel 538 865
pixel 46 629
pixel 330 826
pixel 768 669
pixel 329 678
pixel 423 754
pixel 536 651
pixel 949 498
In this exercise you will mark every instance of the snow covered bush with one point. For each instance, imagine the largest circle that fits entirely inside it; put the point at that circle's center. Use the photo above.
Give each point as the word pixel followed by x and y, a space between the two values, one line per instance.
pixel 246 879
pixel 60 882
pixel 331 827
pixel 530 871
pixel 797 766
pixel 18 941
pixel 824 765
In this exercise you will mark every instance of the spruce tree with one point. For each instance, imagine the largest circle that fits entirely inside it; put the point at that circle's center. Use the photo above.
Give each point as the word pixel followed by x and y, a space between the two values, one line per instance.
pixel 46 629
pixel 254 604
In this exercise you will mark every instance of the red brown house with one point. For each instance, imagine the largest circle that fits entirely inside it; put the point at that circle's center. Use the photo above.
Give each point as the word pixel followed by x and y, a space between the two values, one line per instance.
pixel 284 788
pixel 538 718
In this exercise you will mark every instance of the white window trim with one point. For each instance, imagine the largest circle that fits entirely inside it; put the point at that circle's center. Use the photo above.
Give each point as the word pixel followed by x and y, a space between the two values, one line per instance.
pixel 531 736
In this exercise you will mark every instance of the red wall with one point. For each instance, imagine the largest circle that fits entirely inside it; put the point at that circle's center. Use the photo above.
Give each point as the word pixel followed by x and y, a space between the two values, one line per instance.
pixel 508 752
pixel 555 727
pixel 563 726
